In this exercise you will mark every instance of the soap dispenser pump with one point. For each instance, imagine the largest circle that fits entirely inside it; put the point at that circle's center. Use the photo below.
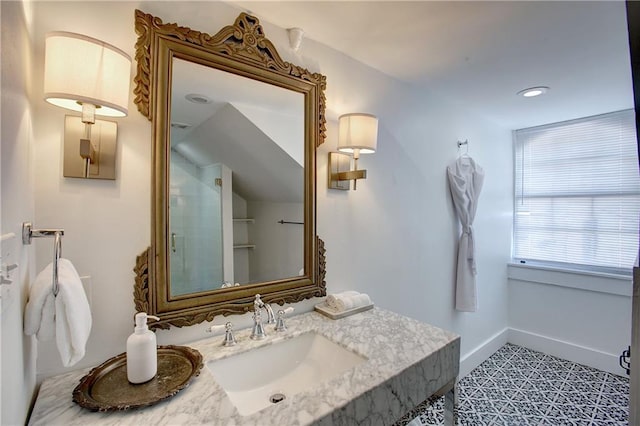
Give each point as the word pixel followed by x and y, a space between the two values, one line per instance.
pixel 142 351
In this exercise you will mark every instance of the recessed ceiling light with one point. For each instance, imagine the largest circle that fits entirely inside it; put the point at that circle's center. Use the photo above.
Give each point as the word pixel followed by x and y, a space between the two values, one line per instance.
pixel 197 98
pixel 532 92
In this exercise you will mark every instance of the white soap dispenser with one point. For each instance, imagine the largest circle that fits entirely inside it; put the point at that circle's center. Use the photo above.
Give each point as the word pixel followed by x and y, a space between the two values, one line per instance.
pixel 142 351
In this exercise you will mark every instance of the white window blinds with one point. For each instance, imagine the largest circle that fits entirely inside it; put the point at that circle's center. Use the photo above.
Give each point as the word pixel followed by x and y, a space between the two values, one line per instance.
pixel 577 192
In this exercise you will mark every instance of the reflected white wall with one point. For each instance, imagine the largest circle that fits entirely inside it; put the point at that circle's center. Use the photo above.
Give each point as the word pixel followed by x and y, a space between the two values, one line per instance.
pixel 279 247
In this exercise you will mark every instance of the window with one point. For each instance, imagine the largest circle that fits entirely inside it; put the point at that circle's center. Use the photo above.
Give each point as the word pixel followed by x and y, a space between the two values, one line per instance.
pixel 577 193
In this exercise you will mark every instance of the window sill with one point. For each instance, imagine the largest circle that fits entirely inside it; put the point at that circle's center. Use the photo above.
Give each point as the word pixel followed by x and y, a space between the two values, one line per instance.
pixel 621 285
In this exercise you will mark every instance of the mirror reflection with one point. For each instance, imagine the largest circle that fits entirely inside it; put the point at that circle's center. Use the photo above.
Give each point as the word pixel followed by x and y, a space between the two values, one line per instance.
pixel 236 150
pixel 236 180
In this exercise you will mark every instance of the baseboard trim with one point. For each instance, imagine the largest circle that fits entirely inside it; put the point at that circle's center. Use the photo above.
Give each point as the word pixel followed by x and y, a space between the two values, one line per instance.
pixel 565 350
pixel 482 352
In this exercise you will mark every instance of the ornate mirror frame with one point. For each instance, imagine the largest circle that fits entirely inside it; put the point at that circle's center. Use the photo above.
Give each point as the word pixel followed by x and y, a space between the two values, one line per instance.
pixel 242 49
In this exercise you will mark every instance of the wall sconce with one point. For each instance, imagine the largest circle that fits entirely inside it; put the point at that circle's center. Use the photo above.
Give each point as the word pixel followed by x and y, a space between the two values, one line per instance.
pixel 87 75
pixel 357 134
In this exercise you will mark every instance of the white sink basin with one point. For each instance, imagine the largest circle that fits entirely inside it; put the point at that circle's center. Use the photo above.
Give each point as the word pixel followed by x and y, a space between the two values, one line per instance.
pixel 251 379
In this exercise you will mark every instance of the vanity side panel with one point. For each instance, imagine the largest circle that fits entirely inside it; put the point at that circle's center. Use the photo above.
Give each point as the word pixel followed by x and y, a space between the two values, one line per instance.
pixel 387 403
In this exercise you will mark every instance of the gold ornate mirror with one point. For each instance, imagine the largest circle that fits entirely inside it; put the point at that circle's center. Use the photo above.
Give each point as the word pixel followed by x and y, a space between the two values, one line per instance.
pixel 235 132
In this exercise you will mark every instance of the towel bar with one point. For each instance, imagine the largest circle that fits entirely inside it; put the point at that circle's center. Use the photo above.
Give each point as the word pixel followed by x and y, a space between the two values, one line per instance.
pixel 282 221
pixel 28 233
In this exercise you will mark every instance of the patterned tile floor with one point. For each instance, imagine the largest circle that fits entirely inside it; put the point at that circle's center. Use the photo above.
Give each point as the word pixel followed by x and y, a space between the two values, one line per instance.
pixel 519 386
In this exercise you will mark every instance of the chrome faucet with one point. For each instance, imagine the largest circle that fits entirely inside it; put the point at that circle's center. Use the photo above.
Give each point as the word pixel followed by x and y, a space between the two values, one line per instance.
pixel 229 339
pixel 257 333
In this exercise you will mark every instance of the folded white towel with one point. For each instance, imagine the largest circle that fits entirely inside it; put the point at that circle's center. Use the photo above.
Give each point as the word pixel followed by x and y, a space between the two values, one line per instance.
pixel 332 299
pixel 352 302
pixel 348 300
pixel 72 312
pixel 39 314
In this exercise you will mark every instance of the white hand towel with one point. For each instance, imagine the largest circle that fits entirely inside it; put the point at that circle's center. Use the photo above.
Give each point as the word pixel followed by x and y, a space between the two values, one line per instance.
pixel 333 298
pixel 352 301
pixel 68 314
pixel 73 315
pixel 39 314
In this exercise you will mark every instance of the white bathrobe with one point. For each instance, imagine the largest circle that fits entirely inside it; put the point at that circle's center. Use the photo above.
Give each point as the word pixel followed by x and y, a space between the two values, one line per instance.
pixel 465 182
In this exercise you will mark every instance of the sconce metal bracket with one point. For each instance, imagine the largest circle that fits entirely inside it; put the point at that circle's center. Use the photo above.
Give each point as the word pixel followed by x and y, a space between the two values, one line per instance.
pixel 340 173
pixel 101 149
pixel 352 175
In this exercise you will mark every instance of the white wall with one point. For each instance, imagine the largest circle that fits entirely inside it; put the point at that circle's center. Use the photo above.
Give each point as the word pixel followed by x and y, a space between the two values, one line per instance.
pixel 107 223
pixel 17 351
pixel 394 238
pixel 241 236
pixel 279 247
pixel 581 317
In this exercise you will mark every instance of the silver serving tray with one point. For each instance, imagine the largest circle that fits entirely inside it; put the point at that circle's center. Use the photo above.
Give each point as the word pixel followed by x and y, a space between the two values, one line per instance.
pixel 106 387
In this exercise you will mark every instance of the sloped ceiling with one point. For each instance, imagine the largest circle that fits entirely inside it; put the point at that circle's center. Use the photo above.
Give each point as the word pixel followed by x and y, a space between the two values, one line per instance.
pixel 255 129
pixel 262 170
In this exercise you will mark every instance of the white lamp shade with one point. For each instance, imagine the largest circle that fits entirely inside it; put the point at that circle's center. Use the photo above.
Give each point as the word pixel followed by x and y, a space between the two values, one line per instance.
pixel 80 69
pixel 358 131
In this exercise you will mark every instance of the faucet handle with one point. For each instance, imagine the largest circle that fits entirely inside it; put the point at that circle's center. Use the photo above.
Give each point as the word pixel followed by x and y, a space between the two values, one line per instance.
pixel 280 326
pixel 229 339
pixel 257 302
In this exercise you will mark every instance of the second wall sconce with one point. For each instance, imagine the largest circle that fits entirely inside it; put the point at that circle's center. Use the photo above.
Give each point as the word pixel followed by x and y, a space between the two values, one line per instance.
pixel 92 77
pixel 357 134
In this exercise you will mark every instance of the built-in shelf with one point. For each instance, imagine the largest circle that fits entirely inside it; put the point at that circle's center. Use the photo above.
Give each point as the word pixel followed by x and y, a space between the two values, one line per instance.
pixel 247 246
pixel 244 220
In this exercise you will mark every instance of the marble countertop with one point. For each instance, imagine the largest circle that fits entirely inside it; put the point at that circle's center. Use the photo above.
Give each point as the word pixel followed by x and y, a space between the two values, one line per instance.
pixel 407 361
